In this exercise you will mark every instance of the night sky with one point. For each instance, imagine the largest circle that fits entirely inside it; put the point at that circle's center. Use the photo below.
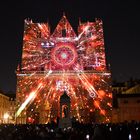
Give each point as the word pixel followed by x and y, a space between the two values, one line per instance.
pixel 121 23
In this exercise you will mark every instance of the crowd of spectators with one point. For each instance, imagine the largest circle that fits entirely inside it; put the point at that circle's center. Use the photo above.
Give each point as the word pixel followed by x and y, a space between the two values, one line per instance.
pixel 121 131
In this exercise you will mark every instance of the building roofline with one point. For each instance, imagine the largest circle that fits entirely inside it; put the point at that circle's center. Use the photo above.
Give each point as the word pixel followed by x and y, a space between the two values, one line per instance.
pixel 128 95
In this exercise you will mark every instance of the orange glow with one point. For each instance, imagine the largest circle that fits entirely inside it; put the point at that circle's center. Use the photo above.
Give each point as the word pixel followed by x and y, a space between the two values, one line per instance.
pixel 96 104
pixel 91 110
pixel 101 94
pixel 109 104
pixel 102 112
pixel 110 95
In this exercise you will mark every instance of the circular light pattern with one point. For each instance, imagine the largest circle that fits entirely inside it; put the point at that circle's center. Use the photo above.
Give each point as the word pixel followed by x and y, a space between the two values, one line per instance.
pixel 64 54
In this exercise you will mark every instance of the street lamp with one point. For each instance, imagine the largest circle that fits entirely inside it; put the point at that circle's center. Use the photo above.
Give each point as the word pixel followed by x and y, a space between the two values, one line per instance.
pixel 6 117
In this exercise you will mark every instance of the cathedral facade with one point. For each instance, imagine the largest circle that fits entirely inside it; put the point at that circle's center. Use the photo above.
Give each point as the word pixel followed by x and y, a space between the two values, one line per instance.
pixel 63 60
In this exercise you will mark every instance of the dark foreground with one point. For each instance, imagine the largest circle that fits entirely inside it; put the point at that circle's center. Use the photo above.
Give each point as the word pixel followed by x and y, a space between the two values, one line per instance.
pixel 122 131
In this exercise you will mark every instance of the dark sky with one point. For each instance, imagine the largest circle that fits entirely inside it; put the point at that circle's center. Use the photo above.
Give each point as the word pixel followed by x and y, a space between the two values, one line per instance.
pixel 121 23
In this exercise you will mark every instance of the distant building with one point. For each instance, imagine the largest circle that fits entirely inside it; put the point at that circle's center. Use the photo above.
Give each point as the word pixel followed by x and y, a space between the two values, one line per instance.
pixel 132 90
pixel 4 106
pixel 126 105
pixel 128 108
pixel 126 87
pixel 12 107
pixel 119 87
pixel 7 108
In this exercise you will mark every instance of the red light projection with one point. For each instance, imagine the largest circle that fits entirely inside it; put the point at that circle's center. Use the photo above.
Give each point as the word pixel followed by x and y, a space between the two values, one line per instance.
pixel 52 63
pixel 64 55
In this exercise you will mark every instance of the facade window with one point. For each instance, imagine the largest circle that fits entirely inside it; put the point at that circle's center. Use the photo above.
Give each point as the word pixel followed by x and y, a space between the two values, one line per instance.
pixel 63 32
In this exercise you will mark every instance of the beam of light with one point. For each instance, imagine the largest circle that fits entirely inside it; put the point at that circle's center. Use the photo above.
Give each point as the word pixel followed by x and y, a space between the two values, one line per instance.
pixel 43 28
pixel 77 108
pixel 93 37
pixel 32 74
pixel 92 92
pixel 50 71
pixel 84 30
pixel 32 95
pixel 97 105
pixel 87 86
pixel 51 90
pixel 102 112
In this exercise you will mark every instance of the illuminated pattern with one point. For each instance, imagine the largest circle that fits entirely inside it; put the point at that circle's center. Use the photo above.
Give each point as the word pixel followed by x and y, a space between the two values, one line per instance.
pixel 52 63
pixel 64 55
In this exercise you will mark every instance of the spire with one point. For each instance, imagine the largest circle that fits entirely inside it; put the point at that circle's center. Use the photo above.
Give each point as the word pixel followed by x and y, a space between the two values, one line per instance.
pixel 48 24
pixel 64 14
pixel 79 20
pixel 48 21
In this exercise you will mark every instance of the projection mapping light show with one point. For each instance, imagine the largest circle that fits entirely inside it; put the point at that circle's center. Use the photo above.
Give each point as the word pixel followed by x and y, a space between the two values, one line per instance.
pixel 63 61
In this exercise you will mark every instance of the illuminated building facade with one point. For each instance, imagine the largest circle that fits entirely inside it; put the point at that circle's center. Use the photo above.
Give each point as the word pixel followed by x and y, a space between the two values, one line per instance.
pixel 4 106
pixel 7 108
pixel 63 60
pixel 126 101
pixel 127 108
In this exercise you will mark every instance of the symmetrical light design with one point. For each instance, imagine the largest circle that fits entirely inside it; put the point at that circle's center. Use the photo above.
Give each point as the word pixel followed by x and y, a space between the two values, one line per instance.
pixel 64 55
pixel 52 63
